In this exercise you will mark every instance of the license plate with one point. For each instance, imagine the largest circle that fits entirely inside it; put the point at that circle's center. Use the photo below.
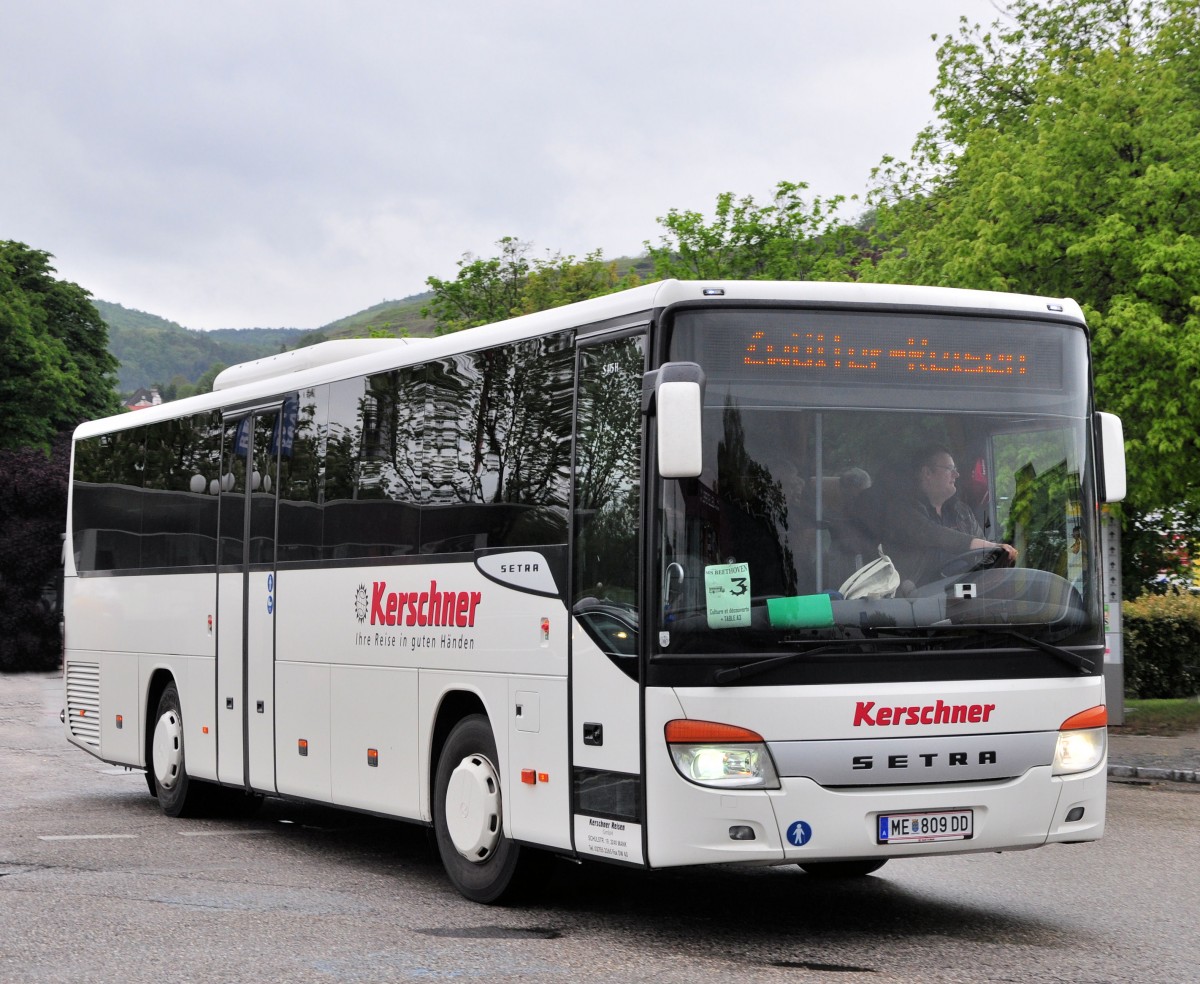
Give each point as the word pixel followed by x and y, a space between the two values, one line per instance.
pixel 926 826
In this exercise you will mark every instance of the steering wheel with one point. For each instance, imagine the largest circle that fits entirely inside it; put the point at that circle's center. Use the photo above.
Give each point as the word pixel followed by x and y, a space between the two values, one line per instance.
pixel 983 559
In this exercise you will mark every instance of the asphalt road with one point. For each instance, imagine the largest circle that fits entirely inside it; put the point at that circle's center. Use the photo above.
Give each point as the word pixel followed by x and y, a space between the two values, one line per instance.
pixel 97 885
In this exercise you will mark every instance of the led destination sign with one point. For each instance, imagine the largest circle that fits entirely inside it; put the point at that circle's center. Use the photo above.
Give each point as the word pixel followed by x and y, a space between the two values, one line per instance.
pixel 813 347
pixel 833 351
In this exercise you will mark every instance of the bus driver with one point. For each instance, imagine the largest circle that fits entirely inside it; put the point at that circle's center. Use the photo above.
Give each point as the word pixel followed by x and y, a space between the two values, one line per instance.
pixel 927 524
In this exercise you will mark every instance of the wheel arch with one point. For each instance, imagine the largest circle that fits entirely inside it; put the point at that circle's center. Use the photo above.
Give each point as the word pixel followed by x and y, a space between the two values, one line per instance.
pixel 159 680
pixel 453 707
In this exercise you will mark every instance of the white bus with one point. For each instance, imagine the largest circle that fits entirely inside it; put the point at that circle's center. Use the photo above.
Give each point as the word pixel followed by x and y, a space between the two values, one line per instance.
pixel 583 583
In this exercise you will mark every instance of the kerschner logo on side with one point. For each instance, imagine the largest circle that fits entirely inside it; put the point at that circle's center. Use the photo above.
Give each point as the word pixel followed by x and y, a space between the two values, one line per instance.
pixel 432 607
pixel 867 715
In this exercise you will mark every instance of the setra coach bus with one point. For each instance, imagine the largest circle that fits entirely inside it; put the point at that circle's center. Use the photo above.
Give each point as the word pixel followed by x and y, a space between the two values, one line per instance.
pixel 650 579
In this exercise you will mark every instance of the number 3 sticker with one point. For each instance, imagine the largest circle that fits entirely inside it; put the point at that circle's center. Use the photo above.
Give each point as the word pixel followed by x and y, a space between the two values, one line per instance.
pixel 727 591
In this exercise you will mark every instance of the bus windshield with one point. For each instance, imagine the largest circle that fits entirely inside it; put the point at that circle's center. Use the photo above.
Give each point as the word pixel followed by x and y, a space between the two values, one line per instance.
pixel 882 483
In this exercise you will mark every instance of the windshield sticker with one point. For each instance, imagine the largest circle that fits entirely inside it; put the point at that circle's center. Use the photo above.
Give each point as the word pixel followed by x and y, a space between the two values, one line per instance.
pixel 800 612
pixel 727 587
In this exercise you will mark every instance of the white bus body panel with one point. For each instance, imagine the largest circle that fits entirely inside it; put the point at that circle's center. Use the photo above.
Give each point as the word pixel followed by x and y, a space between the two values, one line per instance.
pixel 114 618
pixel 348 682
pixel 303 715
pixel 372 707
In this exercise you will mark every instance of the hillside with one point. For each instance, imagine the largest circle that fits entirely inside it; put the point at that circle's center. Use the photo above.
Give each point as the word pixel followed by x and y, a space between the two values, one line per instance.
pixel 396 317
pixel 155 351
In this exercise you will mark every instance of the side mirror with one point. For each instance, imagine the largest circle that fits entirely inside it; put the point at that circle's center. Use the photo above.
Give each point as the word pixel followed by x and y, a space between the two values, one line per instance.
pixel 675 395
pixel 1110 441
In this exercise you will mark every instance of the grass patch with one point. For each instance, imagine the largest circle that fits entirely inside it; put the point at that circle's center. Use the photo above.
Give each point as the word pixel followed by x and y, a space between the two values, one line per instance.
pixel 1160 717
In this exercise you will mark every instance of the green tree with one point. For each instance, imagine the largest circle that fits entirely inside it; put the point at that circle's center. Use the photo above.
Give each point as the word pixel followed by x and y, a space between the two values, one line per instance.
pixel 33 504
pixel 499 287
pixel 560 279
pixel 788 239
pixel 1066 161
pixel 483 291
pixel 55 369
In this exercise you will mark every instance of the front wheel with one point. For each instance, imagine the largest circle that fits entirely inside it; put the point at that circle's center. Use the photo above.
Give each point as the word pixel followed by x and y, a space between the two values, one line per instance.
pixel 177 794
pixel 484 864
pixel 842 869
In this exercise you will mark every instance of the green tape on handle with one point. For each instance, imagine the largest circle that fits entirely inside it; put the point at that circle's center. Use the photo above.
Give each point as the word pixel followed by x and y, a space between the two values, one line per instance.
pixel 800 612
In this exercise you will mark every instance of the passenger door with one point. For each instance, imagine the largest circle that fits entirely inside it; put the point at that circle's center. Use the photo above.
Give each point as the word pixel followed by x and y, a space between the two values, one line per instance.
pixel 246 600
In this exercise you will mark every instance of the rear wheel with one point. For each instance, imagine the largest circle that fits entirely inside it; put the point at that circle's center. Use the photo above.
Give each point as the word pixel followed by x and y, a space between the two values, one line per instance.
pixel 483 863
pixel 177 794
pixel 842 869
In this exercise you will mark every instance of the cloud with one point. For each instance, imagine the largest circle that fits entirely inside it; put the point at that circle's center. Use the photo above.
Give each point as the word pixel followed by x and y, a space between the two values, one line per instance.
pixel 287 163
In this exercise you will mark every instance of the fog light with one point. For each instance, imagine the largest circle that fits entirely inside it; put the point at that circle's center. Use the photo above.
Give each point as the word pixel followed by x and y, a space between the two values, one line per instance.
pixel 1075 815
pixel 741 832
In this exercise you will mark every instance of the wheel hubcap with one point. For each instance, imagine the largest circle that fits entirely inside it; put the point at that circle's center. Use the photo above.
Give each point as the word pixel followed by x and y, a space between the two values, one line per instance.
pixel 168 749
pixel 473 808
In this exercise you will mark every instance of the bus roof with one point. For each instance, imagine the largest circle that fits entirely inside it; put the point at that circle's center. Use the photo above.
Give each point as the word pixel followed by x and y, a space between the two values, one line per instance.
pixel 263 379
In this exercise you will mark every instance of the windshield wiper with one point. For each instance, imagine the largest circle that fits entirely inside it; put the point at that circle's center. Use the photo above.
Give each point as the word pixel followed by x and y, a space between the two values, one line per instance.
pixel 1085 664
pixel 731 673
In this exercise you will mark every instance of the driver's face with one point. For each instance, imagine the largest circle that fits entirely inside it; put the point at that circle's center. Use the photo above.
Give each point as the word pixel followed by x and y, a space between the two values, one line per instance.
pixel 939 479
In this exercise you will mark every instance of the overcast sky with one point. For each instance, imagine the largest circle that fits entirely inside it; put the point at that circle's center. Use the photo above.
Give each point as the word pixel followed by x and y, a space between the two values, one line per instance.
pixel 289 162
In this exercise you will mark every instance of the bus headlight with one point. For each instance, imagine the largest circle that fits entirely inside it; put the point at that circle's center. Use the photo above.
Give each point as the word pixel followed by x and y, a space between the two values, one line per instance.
pixel 722 755
pixel 1082 742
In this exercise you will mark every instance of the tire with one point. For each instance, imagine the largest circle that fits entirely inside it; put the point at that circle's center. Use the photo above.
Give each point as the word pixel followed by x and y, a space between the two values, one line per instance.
pixel 178 795
pixel 483 864
pixel 842 869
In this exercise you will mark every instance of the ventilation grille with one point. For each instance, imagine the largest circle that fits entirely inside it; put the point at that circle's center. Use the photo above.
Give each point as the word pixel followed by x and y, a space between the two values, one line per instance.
pixel 83 702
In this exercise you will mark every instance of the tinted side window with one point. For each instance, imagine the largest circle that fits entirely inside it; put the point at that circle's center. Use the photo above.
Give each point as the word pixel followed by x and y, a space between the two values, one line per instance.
pixel 232 487
pixel 372 480
pixel 608 475
pixel 179 509
pixel 301 474
pixel 107 502
pixel 389 481
pixel 498 447
pixel 146 497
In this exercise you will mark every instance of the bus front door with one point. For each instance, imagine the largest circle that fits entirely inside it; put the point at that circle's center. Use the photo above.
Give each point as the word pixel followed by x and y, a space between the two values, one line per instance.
pixel 246 599
pixel 606 744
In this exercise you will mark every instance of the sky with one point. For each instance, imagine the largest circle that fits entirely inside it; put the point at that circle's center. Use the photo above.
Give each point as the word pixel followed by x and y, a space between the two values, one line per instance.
pixel 286 163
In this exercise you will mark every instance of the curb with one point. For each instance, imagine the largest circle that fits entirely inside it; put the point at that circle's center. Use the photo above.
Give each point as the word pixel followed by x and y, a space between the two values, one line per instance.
pixel 1157 775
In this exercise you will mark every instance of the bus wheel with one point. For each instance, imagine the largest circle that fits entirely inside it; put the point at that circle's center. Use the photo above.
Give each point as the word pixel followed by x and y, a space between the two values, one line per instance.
pixel 842 869
pixel 177 795
pixel 482 862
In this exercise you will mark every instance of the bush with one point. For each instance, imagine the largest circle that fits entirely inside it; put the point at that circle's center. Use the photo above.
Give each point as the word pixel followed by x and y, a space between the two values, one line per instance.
pixel 1162 646
pixel 33 511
